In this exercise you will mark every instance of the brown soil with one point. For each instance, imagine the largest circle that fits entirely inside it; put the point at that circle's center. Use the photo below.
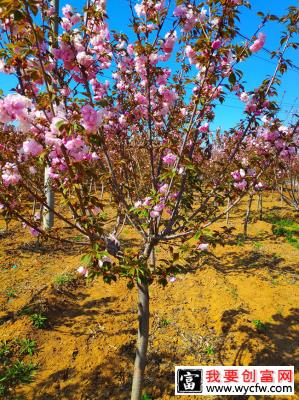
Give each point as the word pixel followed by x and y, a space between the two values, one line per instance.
pixel 87 350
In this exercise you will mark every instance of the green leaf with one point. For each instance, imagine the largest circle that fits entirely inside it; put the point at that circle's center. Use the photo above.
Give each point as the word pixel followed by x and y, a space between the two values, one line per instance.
pixel 60 124
pixel 197 235
pixel 232 78
pixel 130 285
pixel 86 259
pixel 18 15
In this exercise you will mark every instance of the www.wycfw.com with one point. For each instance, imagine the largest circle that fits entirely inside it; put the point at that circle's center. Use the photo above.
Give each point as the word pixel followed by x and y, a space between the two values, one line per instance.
pixel 253 389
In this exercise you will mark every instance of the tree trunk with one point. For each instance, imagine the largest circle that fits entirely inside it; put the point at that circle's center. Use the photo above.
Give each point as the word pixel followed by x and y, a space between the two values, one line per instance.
pixel 246 220
pixel 260 206
pixel 142 341
pixel 48 218
pixel 227 213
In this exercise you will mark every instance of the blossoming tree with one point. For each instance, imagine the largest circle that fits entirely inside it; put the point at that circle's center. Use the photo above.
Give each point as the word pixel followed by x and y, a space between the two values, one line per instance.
pixel 144 134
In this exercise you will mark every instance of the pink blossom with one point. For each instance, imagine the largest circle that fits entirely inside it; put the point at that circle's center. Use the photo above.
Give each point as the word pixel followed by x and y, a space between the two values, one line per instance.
pixel 191 54
pixel 122 119
pixel 147 201
pixel 258 44
pixel 50 11
pixel 140 98
pixel 204 128
pixel 169 158
pixel 279 144
pixel 67 10
pixel 238 175
pixel 164 188
pixel 169 96
pixel 52 174
pixel 84 59
pixel 251 172
pixel 140 9
pixel 259 186
pixel 154 214
pixel 33 231
pixel 91 118
pixel 244 97
pixel 216 44
pixel 65 91
pixel 130 49
pixel 14 106
pixel 138 204
pixel 172 279
pixel 159 207
pixel 83 271
pixel 31 147
pixel 180 11
pixel 10 174
pixel 170 39
pixel 103 260
pixel 241 185
pixel 32 170
pixel 66 24
pixel 6 69
pixel 203 246
pixel 75 19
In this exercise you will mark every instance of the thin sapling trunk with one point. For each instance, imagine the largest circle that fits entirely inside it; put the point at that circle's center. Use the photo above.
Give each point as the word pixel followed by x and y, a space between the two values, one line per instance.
pixel 142 341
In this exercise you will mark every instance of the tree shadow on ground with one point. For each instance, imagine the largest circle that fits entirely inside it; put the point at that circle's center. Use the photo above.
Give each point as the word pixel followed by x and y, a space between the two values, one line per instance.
pixel 249 262
pixel 275 344
pixel 110 380
pixel 65 310
pixel 49 248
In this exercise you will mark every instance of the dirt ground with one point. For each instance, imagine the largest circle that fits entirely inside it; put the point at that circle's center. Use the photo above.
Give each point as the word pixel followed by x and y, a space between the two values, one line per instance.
pixel 86 352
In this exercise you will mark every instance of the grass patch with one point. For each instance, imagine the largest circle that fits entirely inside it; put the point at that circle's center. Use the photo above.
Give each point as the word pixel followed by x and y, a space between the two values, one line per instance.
pixel 145 396
pixel 164 322
pixel 285 227
pixel 64 280
pixel 259 325
pixel 39 321
pixel 11 294
pixel 210 351
pixel 14 370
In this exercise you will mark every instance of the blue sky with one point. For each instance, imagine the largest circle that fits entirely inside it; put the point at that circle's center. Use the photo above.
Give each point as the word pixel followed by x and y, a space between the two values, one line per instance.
pixel 255 69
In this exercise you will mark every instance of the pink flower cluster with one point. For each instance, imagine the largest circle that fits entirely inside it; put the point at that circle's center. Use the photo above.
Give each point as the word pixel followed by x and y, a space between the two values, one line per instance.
pixel 148 8
pixel 83 271
pixel 168 45
pixel 77 149
pixel 191 54
pixel 34 232
pixel 169 158
pixel 70 18
pixel 258 44
pixel 238 176
pixel 190 16
pixel 91 118
pixel 32 148
pixel 203 246
pixel 10 174
pixel 14 107
pixel 6 69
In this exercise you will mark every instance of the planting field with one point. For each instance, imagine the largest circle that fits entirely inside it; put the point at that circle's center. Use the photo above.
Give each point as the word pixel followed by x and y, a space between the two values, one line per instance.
pixel 239 306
